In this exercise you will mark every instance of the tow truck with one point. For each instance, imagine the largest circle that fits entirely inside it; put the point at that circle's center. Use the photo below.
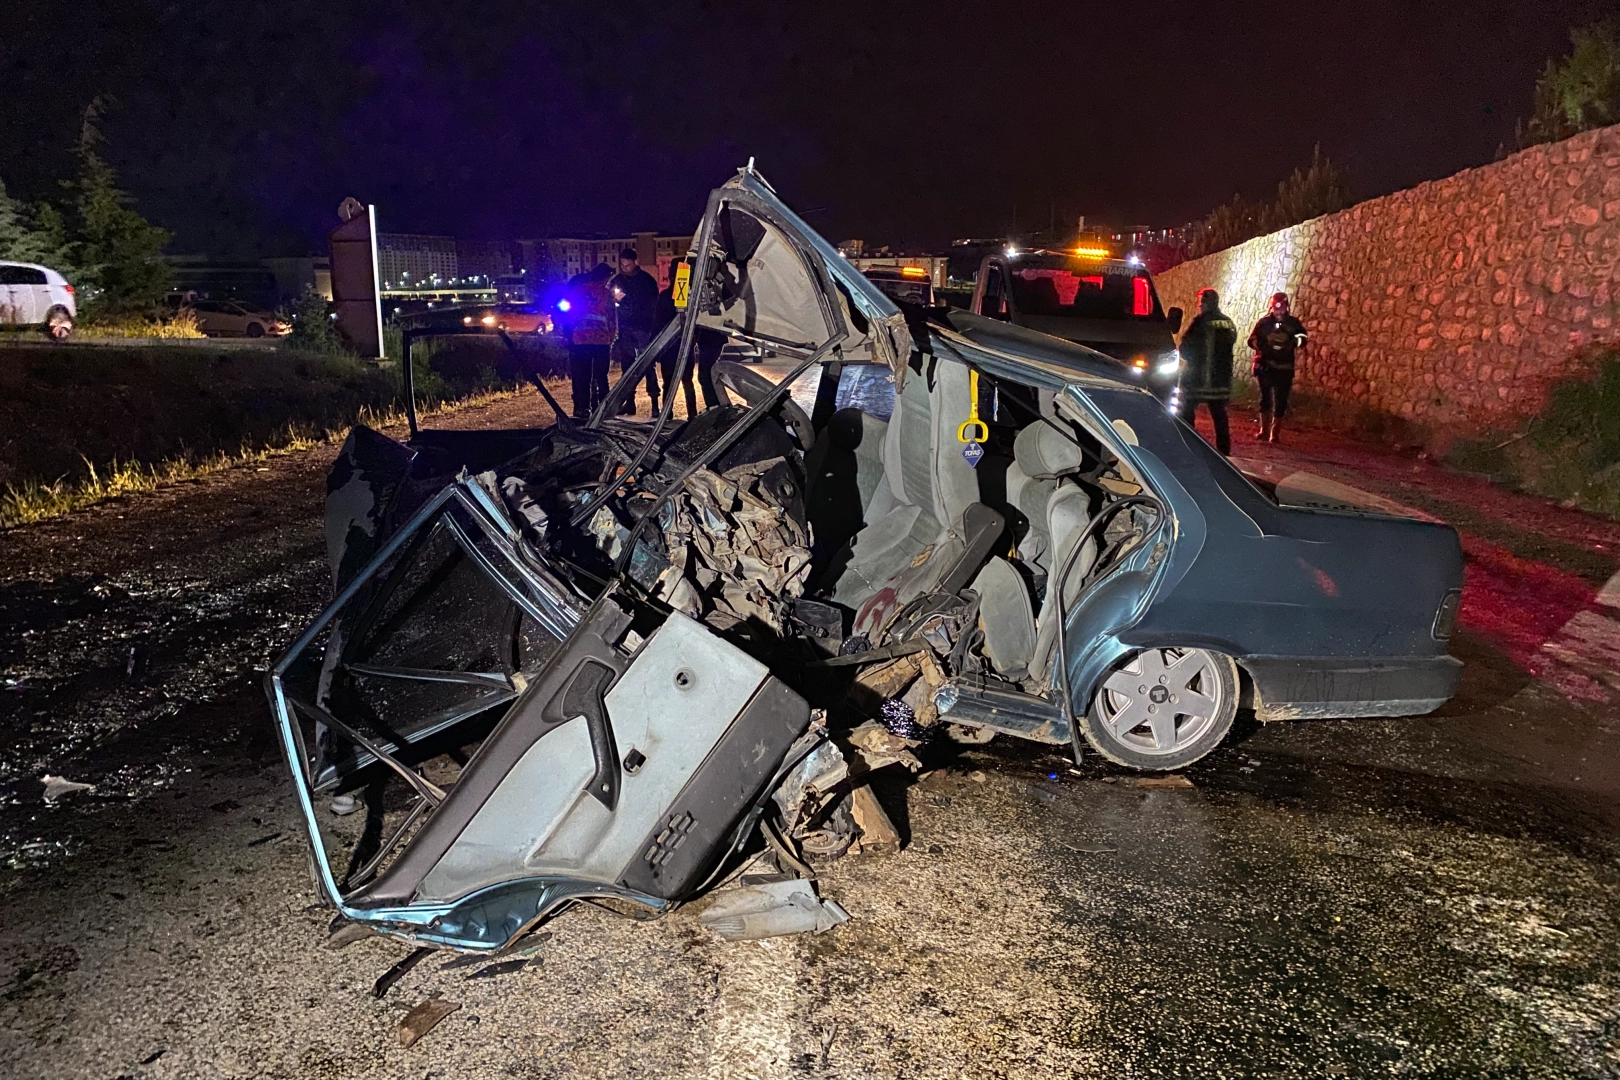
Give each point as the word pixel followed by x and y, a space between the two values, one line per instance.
pixel 1090 296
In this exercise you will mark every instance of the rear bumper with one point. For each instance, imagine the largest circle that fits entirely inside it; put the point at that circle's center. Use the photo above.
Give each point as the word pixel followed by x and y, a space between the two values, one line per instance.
pixel 1299 688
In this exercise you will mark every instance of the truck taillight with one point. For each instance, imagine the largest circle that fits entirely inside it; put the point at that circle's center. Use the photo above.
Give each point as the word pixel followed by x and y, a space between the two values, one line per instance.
pixel 1141 298
pixel 69 289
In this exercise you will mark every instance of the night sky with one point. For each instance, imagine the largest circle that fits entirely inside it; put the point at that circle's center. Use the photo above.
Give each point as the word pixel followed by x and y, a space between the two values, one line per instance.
pixel 240 126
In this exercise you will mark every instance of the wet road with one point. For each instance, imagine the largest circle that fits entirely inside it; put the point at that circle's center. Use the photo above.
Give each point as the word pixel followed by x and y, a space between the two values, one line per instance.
pixel 1425 897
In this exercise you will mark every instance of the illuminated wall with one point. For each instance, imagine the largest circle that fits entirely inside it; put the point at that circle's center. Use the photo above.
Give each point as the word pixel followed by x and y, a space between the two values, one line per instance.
pixel 1457 304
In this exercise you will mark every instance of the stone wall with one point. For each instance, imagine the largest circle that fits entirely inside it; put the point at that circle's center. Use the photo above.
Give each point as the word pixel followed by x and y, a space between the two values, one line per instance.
pixel 1456 305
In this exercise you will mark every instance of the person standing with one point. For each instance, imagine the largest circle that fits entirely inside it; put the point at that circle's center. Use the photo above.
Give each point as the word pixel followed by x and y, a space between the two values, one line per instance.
pixel 635 298
pixel 1275 341
pixel 590 335
pixel 1206 350
pixel 706 344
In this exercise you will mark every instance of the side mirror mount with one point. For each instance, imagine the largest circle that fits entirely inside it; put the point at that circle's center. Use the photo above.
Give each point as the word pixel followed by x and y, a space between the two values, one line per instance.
pixel 1173 317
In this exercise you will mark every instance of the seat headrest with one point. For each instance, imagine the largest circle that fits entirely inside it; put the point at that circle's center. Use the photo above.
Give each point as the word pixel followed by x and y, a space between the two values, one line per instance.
pixel 1044 454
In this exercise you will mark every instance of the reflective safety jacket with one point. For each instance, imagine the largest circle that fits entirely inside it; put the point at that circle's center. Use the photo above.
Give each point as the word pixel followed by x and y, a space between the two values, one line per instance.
pixel 1206 350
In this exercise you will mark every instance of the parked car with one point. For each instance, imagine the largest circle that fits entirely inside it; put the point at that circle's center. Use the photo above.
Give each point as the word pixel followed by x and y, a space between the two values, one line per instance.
pixel 34 295
pixel 514 318
pixel 1091 297
pixel 227 318
pixel 908 283
pixel 629 624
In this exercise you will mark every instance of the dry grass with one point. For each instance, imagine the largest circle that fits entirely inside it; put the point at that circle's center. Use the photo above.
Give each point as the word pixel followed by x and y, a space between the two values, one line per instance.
pixel 182 325
pixel 31 502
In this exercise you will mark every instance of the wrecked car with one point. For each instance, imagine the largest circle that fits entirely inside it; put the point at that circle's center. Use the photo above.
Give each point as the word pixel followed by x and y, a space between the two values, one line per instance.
pixel 594 661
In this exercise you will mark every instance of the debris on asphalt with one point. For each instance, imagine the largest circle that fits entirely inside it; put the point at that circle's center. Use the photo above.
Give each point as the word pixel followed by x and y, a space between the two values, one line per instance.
pixel 1041 795
pixel 261 841
pixel 387 979
pixel 1172 782
pixel 977 777
pixel 500 967
pixel 901 719
pixel 878 834
pixel 424 1018
pixel 771 910
pixel 347 934
pixel 344 805
pixel 1092 849
pixel 58 786
pixel 876 747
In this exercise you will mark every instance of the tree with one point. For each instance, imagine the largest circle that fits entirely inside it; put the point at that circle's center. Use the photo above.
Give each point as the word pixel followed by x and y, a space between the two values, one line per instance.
pixel 1228 225
pixel 1580 91
pixel 32 234
pixel 119 253
pixel 1305 194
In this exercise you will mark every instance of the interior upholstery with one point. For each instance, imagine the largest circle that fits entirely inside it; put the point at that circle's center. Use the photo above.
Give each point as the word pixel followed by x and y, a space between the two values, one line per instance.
pixel 1009 621
pixel 915 515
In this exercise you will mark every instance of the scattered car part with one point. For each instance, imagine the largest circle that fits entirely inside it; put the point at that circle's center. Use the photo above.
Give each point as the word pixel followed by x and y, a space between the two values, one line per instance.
pixel 751 912
pixel 423 1019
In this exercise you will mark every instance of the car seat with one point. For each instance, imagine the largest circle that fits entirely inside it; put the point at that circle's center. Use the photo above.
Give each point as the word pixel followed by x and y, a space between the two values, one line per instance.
pixel 914 533
pixel 1017 644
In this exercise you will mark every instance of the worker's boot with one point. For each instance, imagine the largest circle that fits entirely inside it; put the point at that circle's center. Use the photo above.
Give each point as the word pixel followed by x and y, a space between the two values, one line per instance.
pixel 1264 434
pixel 1276 431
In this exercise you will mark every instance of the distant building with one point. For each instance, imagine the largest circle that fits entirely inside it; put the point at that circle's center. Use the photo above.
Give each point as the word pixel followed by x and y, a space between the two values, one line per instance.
pixel 197 277
pixel 935 265
pixel 295 276
pixel 485 260
pixel 560 258
pixel 412 260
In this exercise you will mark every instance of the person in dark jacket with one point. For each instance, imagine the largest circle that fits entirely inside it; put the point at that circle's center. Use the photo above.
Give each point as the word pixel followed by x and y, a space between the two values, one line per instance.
pixel 706 343
pixel 590 335
pixel 1275 339
pixel 1206 350
pixel 635 300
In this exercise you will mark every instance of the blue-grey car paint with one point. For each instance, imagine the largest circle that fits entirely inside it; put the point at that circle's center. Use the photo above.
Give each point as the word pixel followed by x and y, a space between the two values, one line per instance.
pixel 1308 602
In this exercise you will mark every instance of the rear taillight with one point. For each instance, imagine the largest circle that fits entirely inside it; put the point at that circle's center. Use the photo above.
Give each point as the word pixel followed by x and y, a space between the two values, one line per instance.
pixel 1141 298
pixel 69 289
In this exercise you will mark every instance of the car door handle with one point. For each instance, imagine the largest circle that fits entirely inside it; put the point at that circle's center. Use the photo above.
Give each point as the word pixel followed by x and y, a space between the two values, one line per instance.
pixel 585 695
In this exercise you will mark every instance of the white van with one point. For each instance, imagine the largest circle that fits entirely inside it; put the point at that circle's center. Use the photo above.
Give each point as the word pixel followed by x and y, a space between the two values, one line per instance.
pixel 34 295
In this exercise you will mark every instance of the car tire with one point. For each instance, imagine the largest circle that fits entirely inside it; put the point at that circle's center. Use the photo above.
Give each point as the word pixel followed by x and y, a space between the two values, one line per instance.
pixel 255 330
pixel 1162 709
pixel 58 324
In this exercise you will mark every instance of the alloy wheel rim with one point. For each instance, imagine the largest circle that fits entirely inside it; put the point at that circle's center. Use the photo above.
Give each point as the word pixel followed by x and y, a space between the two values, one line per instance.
pixel 1162 700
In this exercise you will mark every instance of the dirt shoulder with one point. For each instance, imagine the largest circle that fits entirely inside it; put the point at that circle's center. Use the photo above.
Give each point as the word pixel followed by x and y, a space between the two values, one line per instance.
pixel 229 506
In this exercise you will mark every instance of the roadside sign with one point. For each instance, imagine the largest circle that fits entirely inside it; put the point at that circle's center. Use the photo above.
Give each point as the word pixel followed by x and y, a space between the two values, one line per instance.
pixel 683 284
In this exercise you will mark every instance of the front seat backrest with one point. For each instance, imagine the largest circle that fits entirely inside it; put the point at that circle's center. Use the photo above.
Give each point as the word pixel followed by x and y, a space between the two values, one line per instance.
pixel 1044 453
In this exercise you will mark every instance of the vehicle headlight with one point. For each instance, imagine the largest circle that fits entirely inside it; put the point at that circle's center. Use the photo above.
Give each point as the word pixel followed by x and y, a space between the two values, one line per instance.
pixel 1170 363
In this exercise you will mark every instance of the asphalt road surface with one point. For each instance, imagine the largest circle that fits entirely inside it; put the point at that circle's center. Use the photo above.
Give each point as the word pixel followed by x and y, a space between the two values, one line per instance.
pixel 1422 897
